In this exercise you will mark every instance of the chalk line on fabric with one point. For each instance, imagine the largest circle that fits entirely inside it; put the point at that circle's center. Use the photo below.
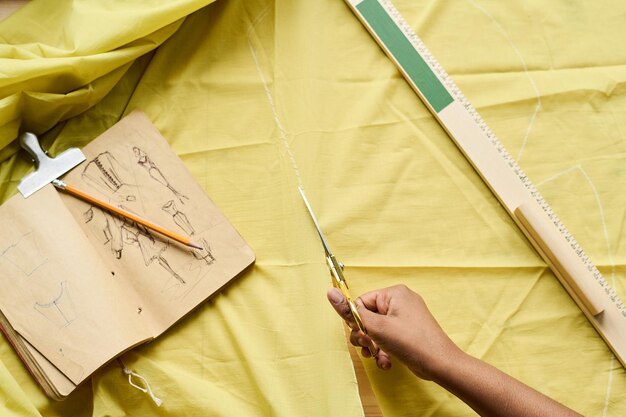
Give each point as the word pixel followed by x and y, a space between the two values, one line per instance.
pixel 607 241
pixel 282 133
pixel 505 34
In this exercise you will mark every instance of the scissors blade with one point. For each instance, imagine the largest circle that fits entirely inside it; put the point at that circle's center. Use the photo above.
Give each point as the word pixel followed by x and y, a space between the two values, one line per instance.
pixel 338 278
pixel 317 226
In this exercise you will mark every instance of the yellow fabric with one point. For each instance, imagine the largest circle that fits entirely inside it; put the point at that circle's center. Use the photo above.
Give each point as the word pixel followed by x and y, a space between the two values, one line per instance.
pixel 59 59
pixel 259 95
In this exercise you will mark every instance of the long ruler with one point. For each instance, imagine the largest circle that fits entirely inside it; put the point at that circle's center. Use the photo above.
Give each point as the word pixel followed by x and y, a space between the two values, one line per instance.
pixel 498 169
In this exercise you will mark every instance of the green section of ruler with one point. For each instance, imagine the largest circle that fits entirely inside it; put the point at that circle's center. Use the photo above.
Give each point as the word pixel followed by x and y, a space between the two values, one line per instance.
pixel 406 55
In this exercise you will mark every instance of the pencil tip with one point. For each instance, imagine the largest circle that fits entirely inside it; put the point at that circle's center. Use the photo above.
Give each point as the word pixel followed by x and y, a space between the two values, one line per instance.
pixel 195 245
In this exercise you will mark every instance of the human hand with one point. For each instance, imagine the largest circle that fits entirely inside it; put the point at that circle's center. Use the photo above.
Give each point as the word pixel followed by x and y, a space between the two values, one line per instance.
pixel 357 337
pixel 398 320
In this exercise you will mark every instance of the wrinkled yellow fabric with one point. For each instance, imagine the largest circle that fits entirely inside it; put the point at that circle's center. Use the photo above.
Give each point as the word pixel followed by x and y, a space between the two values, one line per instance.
pixel 259 96
pixel 59 58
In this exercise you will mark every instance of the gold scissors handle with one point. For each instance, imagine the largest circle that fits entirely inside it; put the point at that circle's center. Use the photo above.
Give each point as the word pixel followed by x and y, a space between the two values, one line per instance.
pixel 340 282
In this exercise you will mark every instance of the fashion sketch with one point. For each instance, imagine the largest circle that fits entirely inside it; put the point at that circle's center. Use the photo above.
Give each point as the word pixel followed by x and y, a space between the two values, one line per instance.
pixel 155 173
pixel 60 309
pixel 119 234
pixel 205 254
pixel 151 249
pixel 106 174
pixel 179 217
pixel 110 230
pixel 25 254
pixel 126 185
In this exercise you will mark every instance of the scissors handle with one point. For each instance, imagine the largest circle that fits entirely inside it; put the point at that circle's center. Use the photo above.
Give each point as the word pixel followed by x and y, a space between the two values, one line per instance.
pixel 340 282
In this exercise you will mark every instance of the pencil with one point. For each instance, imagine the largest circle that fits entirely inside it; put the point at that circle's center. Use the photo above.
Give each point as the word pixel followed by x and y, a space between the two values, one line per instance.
pixel 121 212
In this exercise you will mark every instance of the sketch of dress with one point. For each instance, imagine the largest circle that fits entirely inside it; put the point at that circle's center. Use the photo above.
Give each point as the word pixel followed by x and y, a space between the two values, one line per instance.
pixel 60 310
pixel 104 173
pixel 120 234
pixel 155 173
pixel 205 253
pixel 111 228
pixel 179 217
pixel 25 254
pixel 151 250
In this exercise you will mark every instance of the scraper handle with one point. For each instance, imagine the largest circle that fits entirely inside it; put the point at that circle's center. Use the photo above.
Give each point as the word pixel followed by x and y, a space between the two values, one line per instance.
pixel 30 143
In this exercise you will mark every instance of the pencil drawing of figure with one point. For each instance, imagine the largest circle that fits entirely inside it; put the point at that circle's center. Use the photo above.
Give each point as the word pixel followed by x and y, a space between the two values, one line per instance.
pixel 106 174
pixel 151 249
pixel 155 173
pixel 179 217
pixel 110 229
pixel 205 253
pixel 119 234
pixel 25 254
pixel 60 310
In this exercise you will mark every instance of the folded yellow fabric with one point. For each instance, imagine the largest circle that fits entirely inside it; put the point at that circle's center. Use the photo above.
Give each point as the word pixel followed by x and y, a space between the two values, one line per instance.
pixel 59 59
pixel 259 96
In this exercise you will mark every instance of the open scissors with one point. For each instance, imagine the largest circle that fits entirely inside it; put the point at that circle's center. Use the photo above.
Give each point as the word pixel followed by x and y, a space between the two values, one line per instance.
pixel 336 270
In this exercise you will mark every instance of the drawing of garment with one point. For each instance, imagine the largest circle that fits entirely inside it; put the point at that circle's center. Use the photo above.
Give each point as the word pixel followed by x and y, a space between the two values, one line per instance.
pixel 60 310
pixel 111 227
pixel 155 173
pixel 25 254
pixel 151 250
pixel 205 253
pixel 104 173
pixel 179 217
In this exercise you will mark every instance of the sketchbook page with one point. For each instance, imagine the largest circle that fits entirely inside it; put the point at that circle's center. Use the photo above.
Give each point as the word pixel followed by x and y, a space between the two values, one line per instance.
pixel 54 383
pixel 133 167
pixel 60 385
pixel 57 294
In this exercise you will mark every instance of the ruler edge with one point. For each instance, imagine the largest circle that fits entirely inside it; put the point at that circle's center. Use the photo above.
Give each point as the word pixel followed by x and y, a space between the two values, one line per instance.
pixel 613 299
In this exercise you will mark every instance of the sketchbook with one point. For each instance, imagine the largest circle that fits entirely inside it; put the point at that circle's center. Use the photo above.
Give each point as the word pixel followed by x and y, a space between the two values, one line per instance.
pixel 81 286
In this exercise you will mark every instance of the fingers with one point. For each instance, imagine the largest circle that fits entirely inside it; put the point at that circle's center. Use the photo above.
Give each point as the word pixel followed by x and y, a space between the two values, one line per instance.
pixel 340 304
pixel 383 361
pixel 376 301
pixel 358 339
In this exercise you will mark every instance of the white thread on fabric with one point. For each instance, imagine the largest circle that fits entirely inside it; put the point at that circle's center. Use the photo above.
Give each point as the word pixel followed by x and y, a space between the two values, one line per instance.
pixel 610 255
pixel 557 175
pixel 607 397
pixel 283 133
pixel 596 195
pixel 524 66
pixel 146 386
pixel 270 99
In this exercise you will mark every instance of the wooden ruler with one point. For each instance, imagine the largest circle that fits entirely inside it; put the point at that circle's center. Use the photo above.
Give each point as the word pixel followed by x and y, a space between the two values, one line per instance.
pixel 498 169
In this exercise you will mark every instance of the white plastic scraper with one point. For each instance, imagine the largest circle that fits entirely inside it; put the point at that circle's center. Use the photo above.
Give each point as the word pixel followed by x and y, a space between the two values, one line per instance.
pixel 48 169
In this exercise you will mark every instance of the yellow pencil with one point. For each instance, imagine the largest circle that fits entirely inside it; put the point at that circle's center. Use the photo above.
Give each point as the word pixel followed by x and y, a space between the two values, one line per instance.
pixel 84 196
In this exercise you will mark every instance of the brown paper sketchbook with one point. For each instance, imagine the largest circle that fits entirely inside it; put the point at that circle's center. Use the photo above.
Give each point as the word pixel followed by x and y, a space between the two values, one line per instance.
pixel 81 286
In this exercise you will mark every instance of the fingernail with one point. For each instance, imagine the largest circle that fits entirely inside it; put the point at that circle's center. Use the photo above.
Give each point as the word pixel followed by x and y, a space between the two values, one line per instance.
pixel 386 366
pixel 335 296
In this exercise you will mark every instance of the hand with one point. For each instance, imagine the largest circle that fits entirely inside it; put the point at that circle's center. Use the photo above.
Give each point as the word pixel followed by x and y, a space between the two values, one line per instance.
pixel 398 320
pixel 357 337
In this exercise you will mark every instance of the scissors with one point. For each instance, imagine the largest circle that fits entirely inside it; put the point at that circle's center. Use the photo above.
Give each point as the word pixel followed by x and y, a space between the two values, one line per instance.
pixel 336 271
